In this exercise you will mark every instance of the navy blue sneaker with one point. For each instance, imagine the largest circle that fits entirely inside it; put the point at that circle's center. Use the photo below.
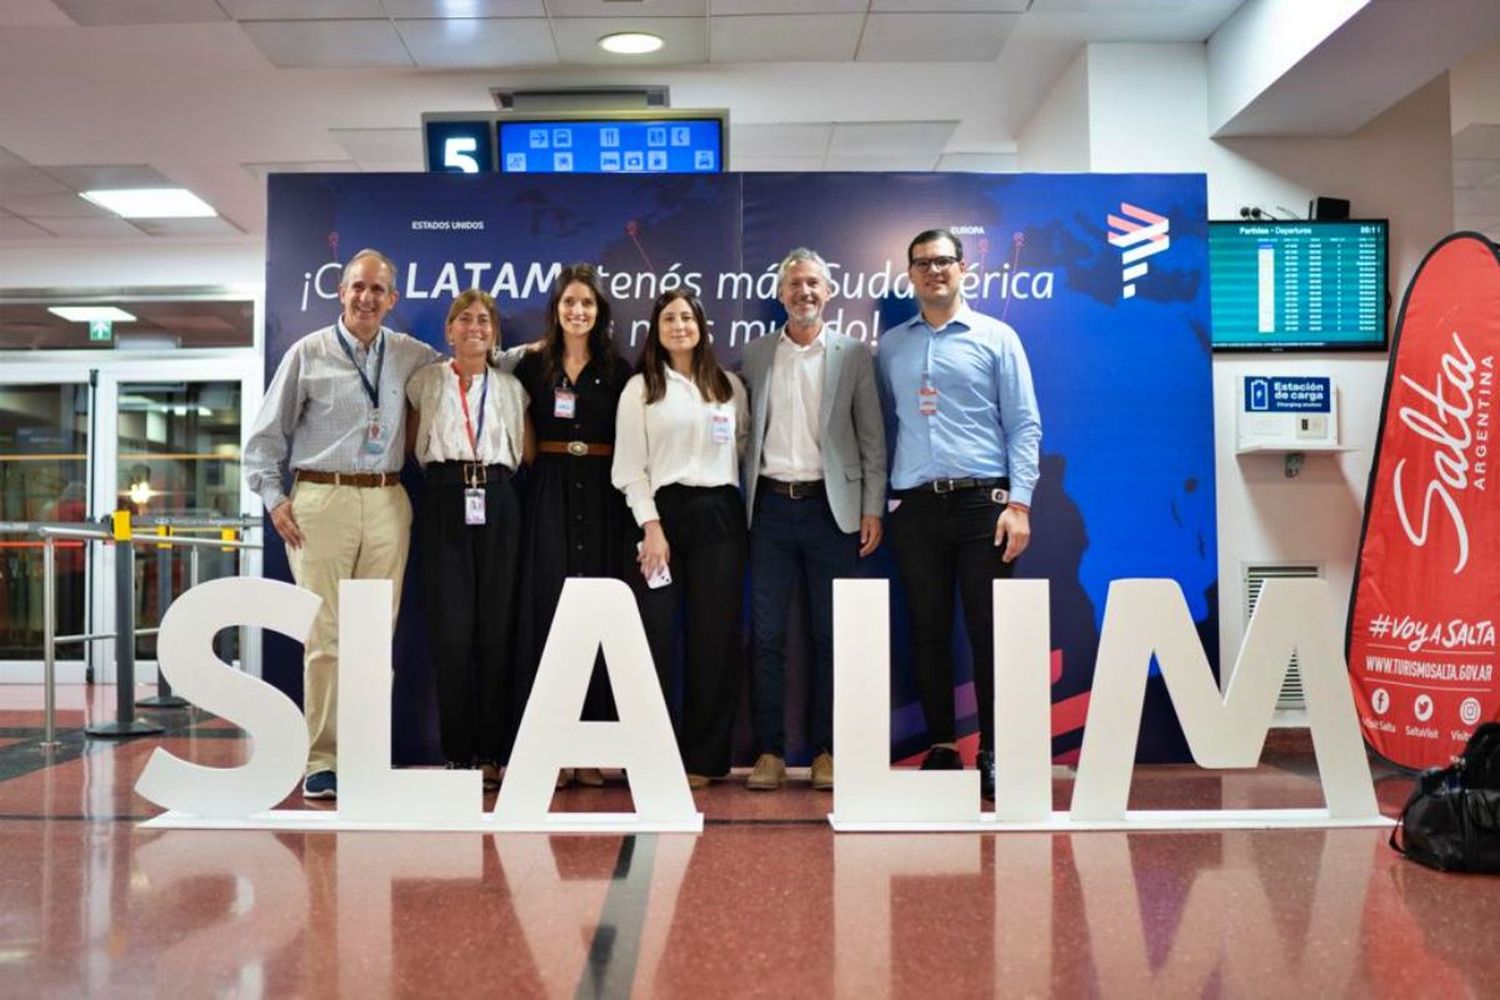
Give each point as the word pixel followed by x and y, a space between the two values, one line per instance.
pixel 320 785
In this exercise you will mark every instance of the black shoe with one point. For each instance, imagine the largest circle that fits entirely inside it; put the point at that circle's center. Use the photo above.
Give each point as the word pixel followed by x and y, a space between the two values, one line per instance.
pixel 985 761
pixel 942 759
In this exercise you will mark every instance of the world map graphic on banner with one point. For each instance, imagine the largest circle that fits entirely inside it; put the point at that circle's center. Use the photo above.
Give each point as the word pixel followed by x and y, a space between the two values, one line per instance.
pixel 1104 278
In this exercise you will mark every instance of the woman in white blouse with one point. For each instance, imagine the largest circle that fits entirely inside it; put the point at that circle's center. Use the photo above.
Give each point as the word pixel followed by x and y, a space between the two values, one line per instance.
pixel 679 433
pixel 470 436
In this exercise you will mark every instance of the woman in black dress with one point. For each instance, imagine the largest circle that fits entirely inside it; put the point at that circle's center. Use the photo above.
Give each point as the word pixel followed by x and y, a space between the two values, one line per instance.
pixel 576 522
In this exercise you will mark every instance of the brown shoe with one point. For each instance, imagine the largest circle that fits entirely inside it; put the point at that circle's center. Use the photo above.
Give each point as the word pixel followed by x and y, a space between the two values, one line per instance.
pixel 698 780
pixel 564 777
pixel 590 776
pixel 769 773
pixel 822 772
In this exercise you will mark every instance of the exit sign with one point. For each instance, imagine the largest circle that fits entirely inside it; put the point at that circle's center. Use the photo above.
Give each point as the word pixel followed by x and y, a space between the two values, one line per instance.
pixel 101 329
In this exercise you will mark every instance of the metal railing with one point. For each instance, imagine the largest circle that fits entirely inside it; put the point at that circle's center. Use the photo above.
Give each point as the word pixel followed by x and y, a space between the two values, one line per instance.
pixel 122 535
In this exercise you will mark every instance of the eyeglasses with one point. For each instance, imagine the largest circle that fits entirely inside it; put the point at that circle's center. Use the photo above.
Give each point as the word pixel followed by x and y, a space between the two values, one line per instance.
pixel 933 263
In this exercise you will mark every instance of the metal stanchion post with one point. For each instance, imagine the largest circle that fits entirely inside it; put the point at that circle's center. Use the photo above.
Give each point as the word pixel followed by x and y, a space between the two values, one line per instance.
pixel 164 698
pixel 49 640
pixel 125 723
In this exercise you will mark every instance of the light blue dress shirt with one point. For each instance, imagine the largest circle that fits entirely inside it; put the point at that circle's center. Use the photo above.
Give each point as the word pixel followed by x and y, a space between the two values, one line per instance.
pixel 987 423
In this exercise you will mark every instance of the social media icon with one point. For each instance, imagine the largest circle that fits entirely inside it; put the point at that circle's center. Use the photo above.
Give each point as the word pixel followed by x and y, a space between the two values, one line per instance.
pixel 635 160
pixel 681 136
pixel 1422 707
pixel 609 160
pixel 703 159
pixel 609 137
pixel 656 159
pixel 515 163
pixel 539 138
pixel 656 136
pixel 1380 700
pixel 1468 711
pixel 562 138
pixel 562 162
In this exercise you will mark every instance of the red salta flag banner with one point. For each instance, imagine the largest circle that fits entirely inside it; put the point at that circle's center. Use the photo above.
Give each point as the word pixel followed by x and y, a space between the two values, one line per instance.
pixel 1421 634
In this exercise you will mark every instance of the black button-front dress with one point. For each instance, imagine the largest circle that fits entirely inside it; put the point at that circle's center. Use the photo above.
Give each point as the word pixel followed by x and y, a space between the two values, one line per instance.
pixel 576 522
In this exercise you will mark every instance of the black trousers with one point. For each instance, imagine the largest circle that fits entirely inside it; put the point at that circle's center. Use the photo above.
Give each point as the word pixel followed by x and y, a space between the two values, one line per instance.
pixel 941 540
pixel 469 591
pixel 705 528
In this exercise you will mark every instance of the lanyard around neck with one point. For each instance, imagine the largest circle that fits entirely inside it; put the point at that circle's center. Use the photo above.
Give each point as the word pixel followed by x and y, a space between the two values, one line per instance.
pixel 372 391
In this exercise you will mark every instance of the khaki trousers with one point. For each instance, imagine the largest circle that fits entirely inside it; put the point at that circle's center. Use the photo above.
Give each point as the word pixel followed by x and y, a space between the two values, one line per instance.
pixel 349 533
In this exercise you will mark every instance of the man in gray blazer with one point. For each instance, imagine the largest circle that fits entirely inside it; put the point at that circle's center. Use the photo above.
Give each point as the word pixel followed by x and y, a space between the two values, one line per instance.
pixel 814 487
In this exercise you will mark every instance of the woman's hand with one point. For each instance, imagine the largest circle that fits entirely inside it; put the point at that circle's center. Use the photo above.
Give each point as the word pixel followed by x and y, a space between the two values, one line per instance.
pixel 655 552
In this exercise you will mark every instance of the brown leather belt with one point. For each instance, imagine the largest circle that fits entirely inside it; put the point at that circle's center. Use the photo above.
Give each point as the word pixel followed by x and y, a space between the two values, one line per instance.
pixel 364 479
pixel 795 491
pixel 577 449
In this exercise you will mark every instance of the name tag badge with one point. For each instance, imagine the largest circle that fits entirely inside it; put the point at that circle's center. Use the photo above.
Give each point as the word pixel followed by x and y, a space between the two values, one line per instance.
pixel 927 398
pixel 374 443
pixel 564 404
pixel 723 428
pixel 473 506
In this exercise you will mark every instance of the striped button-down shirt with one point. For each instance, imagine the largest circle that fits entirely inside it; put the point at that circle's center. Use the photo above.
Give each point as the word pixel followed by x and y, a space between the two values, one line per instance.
pixel 317 415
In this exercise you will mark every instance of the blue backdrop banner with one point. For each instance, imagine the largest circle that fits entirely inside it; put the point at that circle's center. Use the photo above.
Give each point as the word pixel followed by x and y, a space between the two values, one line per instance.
pixel 1104 278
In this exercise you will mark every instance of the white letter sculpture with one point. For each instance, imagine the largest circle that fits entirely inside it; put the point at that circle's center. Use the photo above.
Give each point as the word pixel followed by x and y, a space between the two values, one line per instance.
pixel 278 735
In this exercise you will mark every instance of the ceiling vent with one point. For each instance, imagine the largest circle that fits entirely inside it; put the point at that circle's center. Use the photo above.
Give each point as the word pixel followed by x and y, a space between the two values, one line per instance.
pixel 550 99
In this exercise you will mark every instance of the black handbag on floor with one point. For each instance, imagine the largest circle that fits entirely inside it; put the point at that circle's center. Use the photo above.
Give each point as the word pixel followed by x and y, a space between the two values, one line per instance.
pixel 1452 820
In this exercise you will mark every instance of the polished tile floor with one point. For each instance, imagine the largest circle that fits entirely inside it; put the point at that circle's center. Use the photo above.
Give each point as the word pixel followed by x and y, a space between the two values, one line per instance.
pixel 768 901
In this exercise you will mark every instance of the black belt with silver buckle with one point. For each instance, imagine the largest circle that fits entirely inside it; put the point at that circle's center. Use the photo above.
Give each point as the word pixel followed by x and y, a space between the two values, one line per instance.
pixel 941 486
pixel 805 490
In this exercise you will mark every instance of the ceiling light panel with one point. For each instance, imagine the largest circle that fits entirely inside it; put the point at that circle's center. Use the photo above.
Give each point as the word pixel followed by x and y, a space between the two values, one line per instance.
pixel 578 40
pixel 779 140
pixel 55 205
pixel 151 203
pixel 87 314
pixel 785 38
pixel 479 42
pixel 945 38
pixel 325 44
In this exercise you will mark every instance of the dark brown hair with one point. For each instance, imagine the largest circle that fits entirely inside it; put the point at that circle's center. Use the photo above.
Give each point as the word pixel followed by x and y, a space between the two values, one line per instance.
pixel 707 375
pixel 601 339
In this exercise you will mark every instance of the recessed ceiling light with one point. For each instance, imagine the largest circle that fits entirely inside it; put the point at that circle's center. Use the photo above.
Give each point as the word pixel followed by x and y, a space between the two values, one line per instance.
pixel 631 43
pixel 152 203
pixel 87 314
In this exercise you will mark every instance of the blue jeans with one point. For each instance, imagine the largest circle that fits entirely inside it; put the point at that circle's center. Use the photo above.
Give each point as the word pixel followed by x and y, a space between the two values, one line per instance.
pixel 791 539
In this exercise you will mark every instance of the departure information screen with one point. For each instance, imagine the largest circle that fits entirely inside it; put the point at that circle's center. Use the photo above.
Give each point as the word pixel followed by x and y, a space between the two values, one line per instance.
pixel 1312 285
pixel 669 146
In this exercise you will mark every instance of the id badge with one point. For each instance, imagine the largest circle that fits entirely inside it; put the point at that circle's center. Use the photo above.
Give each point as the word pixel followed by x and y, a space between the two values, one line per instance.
pixel 927 398
pixel 374 443
pixel 473 506
pixel 564 404
pixel 723 428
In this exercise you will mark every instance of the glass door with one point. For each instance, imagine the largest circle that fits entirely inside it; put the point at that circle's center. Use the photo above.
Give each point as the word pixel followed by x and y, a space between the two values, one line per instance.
pixel 44 478
pixel 173 456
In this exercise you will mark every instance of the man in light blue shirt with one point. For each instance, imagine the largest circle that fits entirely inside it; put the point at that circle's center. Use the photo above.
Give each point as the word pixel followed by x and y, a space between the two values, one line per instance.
pixel 967 436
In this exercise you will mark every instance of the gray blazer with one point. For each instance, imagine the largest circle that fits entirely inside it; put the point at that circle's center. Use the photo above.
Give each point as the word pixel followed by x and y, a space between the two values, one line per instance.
pixel 851 427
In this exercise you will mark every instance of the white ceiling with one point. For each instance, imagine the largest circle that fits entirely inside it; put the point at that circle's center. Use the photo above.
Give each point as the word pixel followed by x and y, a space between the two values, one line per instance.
pixel 213 94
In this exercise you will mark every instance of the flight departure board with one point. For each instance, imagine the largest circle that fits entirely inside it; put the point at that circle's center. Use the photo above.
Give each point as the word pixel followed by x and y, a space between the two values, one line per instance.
pixel 1313 285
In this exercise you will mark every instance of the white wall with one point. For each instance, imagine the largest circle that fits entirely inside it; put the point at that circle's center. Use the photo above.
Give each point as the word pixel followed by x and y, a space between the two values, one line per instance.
pixel 1148 111
pixel 1056 137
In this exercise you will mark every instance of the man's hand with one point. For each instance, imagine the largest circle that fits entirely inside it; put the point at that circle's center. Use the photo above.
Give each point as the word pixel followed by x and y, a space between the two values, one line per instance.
pixel 1013 530
pixel 870 530
pixel 286 525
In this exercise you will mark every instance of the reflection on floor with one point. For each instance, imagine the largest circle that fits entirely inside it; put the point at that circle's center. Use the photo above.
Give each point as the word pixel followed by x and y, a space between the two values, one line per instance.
pixel 768 901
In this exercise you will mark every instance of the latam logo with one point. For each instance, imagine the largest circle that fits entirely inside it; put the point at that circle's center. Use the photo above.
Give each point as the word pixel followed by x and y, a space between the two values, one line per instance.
pixel 1140 234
